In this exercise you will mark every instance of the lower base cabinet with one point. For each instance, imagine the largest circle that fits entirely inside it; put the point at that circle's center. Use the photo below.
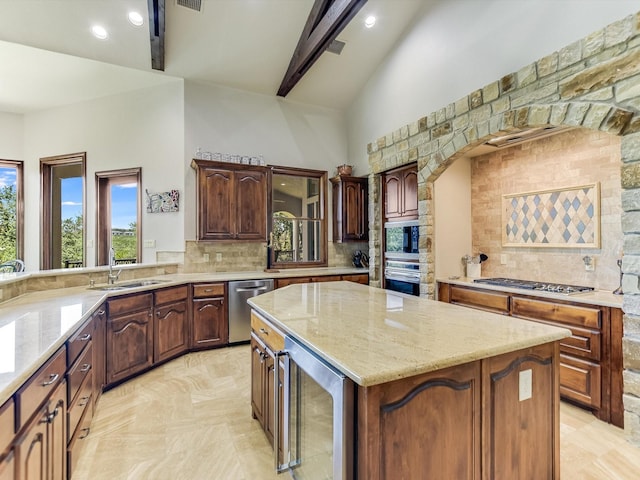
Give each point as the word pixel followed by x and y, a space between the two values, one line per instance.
pixel 8 466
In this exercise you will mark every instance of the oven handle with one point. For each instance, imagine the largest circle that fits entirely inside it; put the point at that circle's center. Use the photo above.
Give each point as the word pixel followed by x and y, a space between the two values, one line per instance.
pixel 286 383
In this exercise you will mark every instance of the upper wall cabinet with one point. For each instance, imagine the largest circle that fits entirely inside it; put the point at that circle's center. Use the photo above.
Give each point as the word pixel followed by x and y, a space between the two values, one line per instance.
pixel 232 201
pixel 401 194
pixel 350 204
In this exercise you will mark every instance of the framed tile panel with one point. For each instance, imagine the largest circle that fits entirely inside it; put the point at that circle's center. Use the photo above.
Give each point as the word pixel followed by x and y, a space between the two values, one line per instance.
pixel 564 217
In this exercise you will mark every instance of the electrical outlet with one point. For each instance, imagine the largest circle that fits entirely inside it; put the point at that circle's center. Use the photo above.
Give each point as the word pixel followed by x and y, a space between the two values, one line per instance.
pixel 205 257
pixel 149 244
pixel 218 257
pixel 503 259
pixel 591 266
pixel 526 387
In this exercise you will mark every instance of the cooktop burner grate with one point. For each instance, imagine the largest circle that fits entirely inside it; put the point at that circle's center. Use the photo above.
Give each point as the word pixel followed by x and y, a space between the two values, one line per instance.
pixel 532 285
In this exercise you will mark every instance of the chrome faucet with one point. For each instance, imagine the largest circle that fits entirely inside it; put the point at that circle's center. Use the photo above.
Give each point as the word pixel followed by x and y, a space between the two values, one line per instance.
pixel 113 277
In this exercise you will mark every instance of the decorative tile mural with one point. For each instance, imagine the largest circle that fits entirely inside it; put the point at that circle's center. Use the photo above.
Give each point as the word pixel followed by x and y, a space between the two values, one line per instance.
pixel 565 217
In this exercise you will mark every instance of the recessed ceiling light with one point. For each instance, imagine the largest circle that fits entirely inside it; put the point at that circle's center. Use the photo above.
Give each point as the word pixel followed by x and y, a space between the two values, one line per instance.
pixel 136 19
pixel 99 32
pixel 370 21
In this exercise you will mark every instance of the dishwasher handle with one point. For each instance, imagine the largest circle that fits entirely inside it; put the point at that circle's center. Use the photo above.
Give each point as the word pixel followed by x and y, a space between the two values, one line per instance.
pixel 252 289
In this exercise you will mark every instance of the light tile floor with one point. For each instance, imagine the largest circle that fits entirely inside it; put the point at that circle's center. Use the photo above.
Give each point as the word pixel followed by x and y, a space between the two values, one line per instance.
pixel 191 419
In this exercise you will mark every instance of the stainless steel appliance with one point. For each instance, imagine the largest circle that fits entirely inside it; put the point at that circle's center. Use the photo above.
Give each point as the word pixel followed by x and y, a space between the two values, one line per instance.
pixel 402 276
pixel 401 239
pixel 318 436
pixel 239 309
pixel 533 285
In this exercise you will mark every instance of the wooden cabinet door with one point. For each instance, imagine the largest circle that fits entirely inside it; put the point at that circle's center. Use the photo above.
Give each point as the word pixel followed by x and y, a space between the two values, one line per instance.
pixel 216 208
pixel 57 434
pixel 210 325
pixel 521 417
pixel 170 331
pixel 392 195
pixel 410 193
pixel 251 205
pixel 269 398
pixel 31 449
pixel 8 466
pixel 355 212
pixel 258 358
pixel 129 345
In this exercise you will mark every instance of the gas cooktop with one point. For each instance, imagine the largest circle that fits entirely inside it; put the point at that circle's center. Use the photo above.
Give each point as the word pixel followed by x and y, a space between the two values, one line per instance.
pixel 531 285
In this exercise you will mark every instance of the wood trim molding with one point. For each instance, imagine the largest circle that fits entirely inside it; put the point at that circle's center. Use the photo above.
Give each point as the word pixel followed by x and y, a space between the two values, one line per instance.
pixel 327 19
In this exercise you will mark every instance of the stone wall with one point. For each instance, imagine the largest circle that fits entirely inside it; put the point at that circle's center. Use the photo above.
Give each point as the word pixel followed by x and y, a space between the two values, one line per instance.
pixel 594 83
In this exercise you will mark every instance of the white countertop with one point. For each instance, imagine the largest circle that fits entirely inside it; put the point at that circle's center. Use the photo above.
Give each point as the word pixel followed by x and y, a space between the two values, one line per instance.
pixel 34 325
pixel 597 297
pixel 375 336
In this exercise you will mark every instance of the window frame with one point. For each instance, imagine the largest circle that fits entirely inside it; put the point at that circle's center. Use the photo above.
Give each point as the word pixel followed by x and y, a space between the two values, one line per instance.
pixel 104 181
pixel 322 177
pixel 19 166
pixel 46 204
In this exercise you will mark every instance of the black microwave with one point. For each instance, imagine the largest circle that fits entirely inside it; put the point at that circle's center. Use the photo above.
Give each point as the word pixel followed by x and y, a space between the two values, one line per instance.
pixel 401 238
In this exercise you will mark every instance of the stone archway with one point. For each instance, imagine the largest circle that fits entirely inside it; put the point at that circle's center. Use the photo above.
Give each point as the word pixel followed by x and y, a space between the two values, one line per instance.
pixel 593 83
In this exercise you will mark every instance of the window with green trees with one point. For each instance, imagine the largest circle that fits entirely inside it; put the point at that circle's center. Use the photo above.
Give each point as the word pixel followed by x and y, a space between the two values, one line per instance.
pixel 10 207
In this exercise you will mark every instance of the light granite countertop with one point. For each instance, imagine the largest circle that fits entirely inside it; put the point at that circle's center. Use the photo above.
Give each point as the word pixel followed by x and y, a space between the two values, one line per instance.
pixel 375 336
pixel 34 325
pixel 596 297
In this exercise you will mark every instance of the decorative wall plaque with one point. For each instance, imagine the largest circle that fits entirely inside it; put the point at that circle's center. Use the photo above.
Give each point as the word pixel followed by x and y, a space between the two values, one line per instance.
pixel 162 202
pixel 565 217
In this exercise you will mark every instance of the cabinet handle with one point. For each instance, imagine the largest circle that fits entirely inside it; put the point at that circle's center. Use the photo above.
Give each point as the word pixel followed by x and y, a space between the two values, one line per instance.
pixel 101 312
pixel 52 379
pixel 83 401
pixel 207 290
pixel 87 430
pixel 85 367
pixel 85 337
pixel 262 330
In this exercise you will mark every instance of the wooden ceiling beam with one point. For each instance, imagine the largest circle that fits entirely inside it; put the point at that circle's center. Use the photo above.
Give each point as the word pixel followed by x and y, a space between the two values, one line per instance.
pixel 156 33
pixel 327 19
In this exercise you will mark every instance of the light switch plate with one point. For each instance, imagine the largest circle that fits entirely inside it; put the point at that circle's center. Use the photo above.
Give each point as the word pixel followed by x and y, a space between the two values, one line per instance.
pixel 503 259
pixel 149 244
pixel 218 257
pixel 526 380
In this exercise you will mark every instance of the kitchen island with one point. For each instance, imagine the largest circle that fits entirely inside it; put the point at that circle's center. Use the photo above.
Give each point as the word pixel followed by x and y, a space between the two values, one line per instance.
pixel 439 389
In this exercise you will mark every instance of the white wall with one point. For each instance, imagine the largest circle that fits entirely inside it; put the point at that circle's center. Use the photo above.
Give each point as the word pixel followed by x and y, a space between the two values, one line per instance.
pixel 458 46
pixel 11 136
pixel 143 128
pixel 452 224
pixel 225 120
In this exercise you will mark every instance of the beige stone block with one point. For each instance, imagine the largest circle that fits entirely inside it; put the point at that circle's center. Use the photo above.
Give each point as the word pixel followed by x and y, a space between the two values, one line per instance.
pixel 631 382
pixel 548 65
pixel 527 75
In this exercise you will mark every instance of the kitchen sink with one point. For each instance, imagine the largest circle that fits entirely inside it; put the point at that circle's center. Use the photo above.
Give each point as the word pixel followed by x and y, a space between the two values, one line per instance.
pixel 127 285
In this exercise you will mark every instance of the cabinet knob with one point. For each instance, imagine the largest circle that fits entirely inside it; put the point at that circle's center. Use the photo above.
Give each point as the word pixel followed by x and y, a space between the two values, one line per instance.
pixel 262 330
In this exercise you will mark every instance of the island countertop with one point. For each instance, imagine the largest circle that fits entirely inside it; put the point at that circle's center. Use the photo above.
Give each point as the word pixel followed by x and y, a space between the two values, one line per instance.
pixel 375 336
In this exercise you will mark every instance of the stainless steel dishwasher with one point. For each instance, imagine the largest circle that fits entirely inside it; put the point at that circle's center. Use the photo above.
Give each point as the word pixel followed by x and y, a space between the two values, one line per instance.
pixel 239 309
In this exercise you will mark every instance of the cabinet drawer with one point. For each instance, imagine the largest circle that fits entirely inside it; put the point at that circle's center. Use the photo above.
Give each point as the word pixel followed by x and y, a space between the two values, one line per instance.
pixel 327 278
pixel 78 341
pixel 494 301
pixel 267 333
pixel 208 290
pixel 580 381
pixel 283 282
pixel 7 424
pixel 76 408
pixel 556 312
pixel 131 303
pixel 36 390
pixel 79 371
pixel 582 343
pixel 169 295
pixel 76 444
pixel 361 278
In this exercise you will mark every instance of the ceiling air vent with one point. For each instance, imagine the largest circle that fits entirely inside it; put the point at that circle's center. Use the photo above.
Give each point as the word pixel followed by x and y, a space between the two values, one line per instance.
pixel 192 4
pixel 336 47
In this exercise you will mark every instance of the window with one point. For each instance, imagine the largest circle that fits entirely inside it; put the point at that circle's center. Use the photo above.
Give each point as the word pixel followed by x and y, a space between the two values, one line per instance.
pixel 118 205
pixel 63 226
pixel 11 211
pixel 298 224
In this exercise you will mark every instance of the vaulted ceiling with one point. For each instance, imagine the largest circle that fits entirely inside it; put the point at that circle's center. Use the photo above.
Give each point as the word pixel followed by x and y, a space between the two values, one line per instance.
pixel 48 56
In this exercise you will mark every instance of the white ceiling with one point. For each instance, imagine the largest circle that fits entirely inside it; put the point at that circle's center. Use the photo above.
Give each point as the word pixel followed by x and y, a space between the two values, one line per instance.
pixel 49 58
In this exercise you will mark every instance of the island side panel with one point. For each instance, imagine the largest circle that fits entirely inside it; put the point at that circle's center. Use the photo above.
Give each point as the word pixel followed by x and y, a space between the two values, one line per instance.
pixel 521 414
pixel 428 423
